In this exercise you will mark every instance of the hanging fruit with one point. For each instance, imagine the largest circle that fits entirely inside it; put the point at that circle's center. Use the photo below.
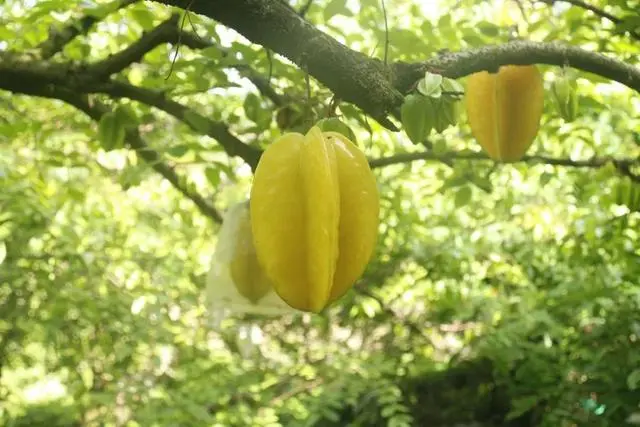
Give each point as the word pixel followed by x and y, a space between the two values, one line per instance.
pixel 564 94
pixel 246 272
pixel 504 110
pixel 314 216
pixel 236 282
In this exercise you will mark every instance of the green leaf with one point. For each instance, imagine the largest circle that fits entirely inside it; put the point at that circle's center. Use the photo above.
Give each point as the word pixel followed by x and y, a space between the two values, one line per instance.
pixel 144 17
pixel 212 175
pixel 126 116
pixel 178 150
pixel 336 125
pixel 628 23
pixel 545 178
pixel 440 146
pixel 430 85
pixel 336 7
pixel 255 112
pixel 414 115
pixel 633 380
pixel 3 252
pixel 521 405
pixel 111 132
pixel 450 85
pixel 463 196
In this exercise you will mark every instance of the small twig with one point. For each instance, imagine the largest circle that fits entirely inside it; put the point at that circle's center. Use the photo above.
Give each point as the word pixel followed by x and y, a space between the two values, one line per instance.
pixel 295 391
pixel 623 165
pixel 193 27
pixel 386 33
pixel 270 72
pixel 178 44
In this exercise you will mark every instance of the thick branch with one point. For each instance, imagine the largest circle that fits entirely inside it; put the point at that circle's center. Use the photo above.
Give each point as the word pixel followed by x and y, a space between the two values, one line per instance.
pixel 59 38
pixel 351 75
pixel 367 82
pixel 456 65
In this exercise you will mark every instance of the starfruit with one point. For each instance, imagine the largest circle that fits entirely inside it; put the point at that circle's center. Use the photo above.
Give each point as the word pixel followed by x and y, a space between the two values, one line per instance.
pixel 314 216
pixel 236 282
pixel 246 273
pixel 504 110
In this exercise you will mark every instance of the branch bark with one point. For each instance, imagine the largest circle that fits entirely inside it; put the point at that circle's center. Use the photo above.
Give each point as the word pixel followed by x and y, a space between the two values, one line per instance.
pixel 456 65
pixel 351 75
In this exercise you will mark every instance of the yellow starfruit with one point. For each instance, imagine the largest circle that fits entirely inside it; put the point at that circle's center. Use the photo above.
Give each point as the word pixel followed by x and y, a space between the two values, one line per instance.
pixel 504 110
pixel 314 216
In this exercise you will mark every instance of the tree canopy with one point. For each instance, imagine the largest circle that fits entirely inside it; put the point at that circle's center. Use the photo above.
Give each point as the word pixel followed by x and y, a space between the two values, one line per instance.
pixel 499 293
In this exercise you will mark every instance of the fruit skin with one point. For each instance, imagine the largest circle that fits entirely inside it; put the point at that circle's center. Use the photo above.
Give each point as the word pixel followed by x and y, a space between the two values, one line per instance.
pixel 504 110
pixel 246 272
pixel 314 216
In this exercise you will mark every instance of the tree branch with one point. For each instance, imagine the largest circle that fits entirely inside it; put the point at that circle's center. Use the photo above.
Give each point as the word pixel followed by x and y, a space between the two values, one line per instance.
pixel 596 11
pixel 169 32
pixel 135 141
pixel 34 77
pixel 217 130
pixel 58 39
pixel 351 75
pixel 623 165
pixel 163 33
pixel 367 82
pixel 456 65
pixel 95 111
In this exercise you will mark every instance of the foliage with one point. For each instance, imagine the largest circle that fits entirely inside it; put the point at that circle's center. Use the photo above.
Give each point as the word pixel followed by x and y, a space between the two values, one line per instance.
pixel 506 294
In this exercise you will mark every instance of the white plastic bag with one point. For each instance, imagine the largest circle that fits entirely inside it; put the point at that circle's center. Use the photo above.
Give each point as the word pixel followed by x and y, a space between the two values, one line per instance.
pixel 222 295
